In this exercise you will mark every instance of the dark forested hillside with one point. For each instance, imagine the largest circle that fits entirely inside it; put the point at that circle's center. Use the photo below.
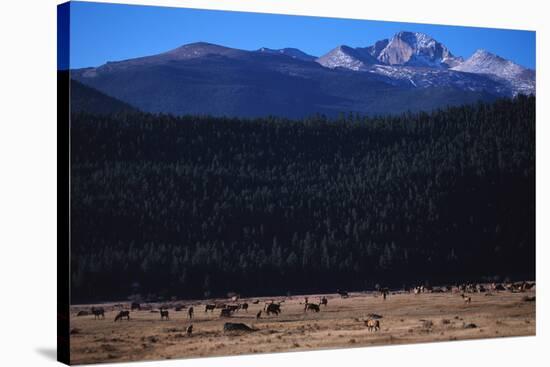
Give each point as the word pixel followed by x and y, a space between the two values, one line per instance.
pixel 198 206
pixel 86 99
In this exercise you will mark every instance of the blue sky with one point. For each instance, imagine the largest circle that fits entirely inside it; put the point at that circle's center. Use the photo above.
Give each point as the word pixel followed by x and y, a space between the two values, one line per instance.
pixel 110 32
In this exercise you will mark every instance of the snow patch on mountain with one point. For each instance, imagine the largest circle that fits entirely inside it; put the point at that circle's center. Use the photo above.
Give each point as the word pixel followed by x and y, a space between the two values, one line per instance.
pixel 290 52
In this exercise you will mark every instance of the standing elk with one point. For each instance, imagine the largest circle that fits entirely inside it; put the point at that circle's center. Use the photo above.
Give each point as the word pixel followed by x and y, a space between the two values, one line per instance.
pixel 312 307
pixel 274 308
pixel 209 307
pixel 342 294
pixel 190 312
pixel 163 314
pixel 189 330
pixel 98 312
pixel 233 308
pixel 372 325
pixel 324 301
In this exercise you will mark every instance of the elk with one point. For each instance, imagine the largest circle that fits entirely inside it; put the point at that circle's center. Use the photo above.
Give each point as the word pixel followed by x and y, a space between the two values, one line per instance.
pixel 163 314
pixel 372 325
pixel 123 314
pixel 233 308
pixel 98 312
pixel 273 308
pixel 324 301
pixel 259 315
pixel 190 312
pixel 189 330
pixel 135 306
pixel 312 307
pixel 244 306
pixel 342 294
pixel 209 307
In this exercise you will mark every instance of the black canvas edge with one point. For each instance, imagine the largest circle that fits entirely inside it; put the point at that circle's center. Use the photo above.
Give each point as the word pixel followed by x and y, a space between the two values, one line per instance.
pixel 63 184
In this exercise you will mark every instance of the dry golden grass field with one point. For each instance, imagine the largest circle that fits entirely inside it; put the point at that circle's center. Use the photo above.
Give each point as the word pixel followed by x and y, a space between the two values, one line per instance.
pixel 406 318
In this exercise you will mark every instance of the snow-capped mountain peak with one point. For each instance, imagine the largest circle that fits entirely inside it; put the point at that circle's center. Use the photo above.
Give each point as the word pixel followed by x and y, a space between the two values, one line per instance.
pixel 417 59
pixel 347 57
pixel 416 49
pixel 519 78
pixel 484 62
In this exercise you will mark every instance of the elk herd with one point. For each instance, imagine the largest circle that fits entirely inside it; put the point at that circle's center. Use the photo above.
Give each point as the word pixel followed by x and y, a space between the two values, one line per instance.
pixel 470 287
pixel 274 308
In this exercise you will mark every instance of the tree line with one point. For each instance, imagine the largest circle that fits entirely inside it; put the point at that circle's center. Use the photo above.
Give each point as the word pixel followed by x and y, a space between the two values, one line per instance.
pixel 196 206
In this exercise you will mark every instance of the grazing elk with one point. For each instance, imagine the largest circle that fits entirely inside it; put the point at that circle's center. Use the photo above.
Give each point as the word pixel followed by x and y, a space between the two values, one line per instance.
pixel 190 312
pixel 98 313
pixel 324 301
pixel 312 307
pixel 189 330
pixel 163 314
pixel 210 307
pixel 123 314
pixel 372 325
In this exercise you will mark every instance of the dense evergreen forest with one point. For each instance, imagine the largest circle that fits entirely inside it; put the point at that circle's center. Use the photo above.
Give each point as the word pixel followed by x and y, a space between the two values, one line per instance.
pixel 199 206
